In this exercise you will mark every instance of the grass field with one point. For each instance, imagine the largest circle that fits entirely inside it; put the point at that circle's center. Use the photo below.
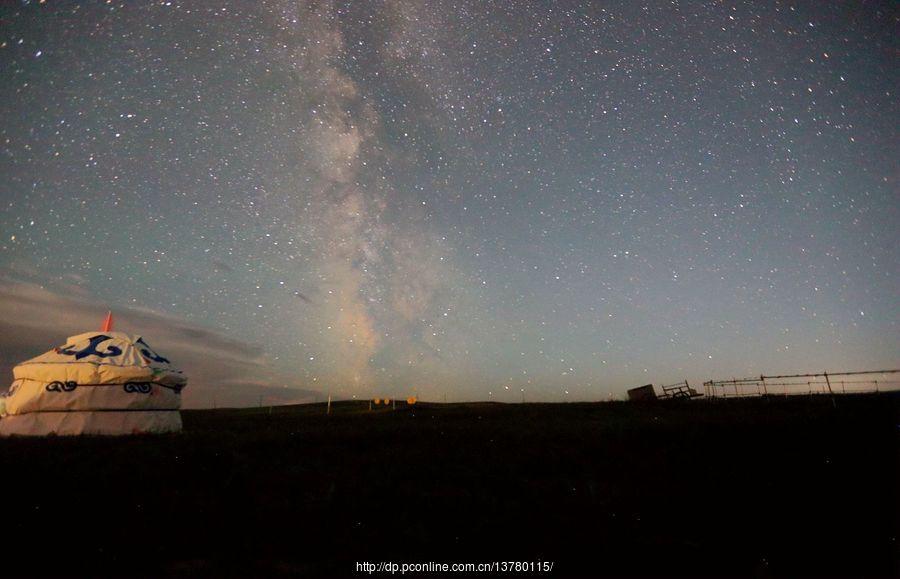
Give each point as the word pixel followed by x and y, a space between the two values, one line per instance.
pixel 777 486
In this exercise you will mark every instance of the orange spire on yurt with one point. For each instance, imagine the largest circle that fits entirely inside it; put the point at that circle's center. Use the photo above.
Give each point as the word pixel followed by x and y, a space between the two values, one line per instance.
pixel 107 323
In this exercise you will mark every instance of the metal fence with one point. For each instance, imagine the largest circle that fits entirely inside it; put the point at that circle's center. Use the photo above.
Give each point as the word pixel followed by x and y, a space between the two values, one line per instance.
pixel 793 384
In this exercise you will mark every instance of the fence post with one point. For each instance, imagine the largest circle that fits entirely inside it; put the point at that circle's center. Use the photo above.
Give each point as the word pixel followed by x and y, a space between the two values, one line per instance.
pixel 830 391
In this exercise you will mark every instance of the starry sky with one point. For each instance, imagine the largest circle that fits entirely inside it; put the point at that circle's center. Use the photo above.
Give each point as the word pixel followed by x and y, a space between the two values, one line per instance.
pixel 462 200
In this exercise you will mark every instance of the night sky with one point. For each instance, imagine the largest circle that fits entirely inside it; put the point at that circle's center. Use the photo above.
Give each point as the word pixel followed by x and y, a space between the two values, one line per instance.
pixel 457 199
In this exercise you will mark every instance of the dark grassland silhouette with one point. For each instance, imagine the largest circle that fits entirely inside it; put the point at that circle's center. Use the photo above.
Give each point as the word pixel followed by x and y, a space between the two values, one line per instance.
pixel 752 486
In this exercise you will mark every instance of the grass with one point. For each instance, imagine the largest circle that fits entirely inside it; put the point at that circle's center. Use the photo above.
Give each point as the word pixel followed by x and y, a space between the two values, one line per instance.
pixel 775 486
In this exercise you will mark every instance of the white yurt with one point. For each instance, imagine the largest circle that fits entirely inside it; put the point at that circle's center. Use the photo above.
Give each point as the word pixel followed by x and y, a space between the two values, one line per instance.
pixel 105 382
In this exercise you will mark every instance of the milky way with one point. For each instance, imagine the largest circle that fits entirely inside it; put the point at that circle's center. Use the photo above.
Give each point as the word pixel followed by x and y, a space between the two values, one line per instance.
pixel 462 200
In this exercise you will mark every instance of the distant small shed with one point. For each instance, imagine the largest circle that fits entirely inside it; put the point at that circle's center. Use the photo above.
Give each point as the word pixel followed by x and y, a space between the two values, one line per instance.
pixel 642 393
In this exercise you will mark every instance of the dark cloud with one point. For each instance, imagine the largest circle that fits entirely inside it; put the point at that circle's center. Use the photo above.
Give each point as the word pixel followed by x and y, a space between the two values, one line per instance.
pixel 220 265
pixel 229 372
pixel 302 297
